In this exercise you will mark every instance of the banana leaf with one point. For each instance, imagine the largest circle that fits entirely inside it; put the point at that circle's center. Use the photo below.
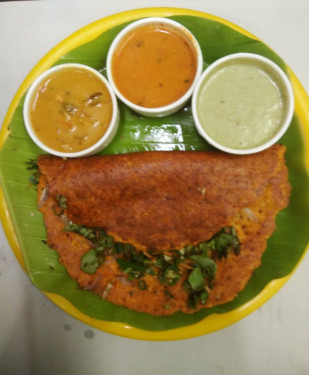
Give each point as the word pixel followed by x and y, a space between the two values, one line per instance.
pixel 137 133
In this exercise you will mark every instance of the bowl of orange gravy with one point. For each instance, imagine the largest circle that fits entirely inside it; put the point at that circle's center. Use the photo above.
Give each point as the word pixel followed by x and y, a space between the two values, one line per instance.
pixel 71 110
pixel 153 65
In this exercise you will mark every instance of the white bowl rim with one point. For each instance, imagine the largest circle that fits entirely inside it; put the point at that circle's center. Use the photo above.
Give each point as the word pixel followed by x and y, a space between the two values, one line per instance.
pixel 96 146
pixel 154 111
pixel 289 102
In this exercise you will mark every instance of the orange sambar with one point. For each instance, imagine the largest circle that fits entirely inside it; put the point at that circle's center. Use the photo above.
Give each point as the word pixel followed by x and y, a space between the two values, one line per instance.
pixel 154 66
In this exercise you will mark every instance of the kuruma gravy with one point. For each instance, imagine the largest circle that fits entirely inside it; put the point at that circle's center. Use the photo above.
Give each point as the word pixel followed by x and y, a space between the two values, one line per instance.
pixel 71 110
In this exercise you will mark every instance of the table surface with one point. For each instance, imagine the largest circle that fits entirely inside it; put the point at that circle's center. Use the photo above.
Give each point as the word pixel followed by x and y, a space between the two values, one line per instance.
pixel 36 337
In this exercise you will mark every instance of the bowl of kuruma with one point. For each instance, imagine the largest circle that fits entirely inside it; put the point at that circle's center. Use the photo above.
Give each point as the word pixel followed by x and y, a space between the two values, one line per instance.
pixel 71 111
pixel 243 103
pixel 153 65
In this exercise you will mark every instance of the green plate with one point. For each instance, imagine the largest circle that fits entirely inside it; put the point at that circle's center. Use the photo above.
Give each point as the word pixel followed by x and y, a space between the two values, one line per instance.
pixel 24 224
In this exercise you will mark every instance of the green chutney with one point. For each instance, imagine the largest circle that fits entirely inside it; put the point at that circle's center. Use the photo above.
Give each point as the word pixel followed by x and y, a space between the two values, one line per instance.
pixel 240 105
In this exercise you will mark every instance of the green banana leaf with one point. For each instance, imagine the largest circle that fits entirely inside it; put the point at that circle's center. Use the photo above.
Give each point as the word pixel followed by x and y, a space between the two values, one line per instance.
pixel 138 133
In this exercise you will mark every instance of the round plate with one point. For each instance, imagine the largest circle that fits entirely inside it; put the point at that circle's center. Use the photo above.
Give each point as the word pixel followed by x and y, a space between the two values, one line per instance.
pixel 24 226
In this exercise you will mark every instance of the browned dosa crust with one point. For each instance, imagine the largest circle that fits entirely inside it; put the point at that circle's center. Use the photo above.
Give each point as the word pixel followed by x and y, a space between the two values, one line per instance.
pixel 160 200
pixel 163 201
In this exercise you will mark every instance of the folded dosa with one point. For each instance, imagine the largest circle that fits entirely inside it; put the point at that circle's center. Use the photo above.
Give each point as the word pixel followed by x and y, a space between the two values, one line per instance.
pixel 161 201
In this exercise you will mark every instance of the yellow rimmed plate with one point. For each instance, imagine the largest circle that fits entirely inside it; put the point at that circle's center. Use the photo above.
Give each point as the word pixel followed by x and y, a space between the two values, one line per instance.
pixel 89 45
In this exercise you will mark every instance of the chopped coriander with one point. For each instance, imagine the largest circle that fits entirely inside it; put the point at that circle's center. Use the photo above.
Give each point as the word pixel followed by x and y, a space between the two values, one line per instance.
pixel 90 262
pixel 168 294
pixel 203 296
pixel 196 280
pixel 198 259
pixel 225 241
pixel 135 270
pixel 207 264
pixel 61 205
pixel 142 285
pixel 171 275
pixel 61 200
pixel 32 166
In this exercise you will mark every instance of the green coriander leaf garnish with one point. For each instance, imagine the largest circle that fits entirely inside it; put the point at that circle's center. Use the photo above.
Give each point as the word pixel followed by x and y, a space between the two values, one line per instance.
pixel 165 266
pixel 225 241
pixel 196 280
pixel 142 285
pixel 90 262
pixel 61 200
pixel 32 165
pixel 207 264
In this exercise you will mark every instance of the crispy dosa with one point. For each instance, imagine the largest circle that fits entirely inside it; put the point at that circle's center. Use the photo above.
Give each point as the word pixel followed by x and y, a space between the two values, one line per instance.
pixel 162 201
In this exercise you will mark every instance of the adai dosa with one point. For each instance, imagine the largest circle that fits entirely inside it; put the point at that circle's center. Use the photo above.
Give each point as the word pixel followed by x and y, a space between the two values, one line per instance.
pixel 159 202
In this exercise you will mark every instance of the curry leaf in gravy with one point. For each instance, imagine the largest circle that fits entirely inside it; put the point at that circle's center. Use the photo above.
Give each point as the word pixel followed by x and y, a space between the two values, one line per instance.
pixel 94 99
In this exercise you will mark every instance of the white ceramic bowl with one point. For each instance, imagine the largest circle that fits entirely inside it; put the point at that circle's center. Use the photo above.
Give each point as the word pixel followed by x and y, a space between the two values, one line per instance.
pixel 94 148
pixel 169 24
pixel 273 73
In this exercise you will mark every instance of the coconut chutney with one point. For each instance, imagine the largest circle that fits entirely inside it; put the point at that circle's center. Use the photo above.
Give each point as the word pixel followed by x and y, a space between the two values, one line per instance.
pixel 240 105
